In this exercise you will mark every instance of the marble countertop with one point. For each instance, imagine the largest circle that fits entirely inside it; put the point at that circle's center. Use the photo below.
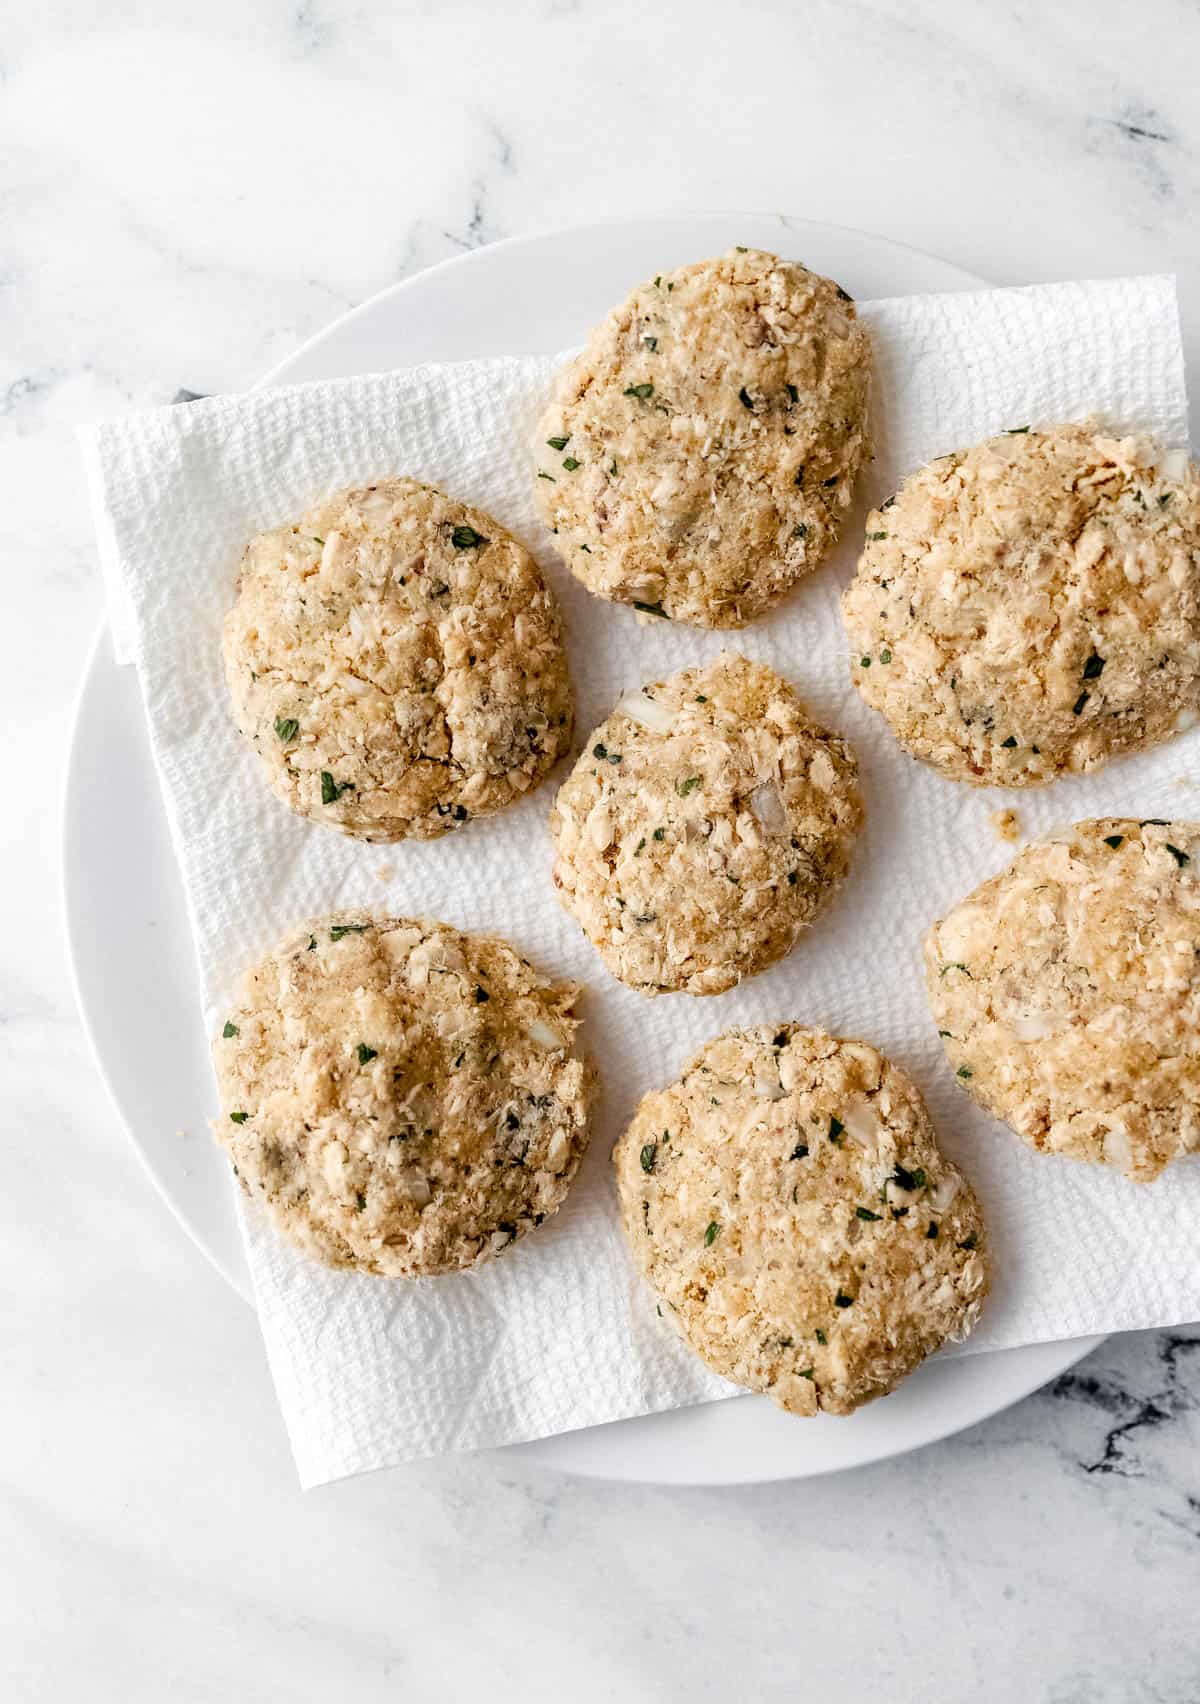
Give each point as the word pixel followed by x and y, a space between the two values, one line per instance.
pixel 188 193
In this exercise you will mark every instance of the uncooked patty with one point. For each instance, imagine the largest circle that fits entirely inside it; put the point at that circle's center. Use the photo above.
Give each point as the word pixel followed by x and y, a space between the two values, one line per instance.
pixel 788 1202
pixel 1067 993
pixel 699 454
pixel 706 823
pixel 401 1097
pixel 1031 607
pixel 396 660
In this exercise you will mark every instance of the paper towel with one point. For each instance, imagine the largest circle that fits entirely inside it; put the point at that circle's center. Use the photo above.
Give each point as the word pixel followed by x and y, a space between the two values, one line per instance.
pixel 558 1334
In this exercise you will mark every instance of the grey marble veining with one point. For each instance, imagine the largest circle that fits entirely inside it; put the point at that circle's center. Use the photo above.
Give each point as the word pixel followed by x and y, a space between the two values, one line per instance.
pixel 186 195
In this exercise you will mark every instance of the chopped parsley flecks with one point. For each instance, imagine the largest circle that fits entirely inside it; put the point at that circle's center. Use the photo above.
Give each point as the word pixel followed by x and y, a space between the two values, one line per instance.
pixel 820 1336
pixel 1010 744
pixel 793 393
pixel 1181 858
pixel 932 1231
pixel 1077 707
pixel 238 1117
pixel 366 1054
pixel 800 1151
pixel 641 391
pixel 744 397
pixel 331 790
pixel 559 443
pixel 360 1202
pixel 1094 667
pixel 826 483
pixel 651 609
pixel 481 995
pixel 1014 431
pixel 866 1213
pixel 955 965
pixel 466 538
pixel 946 1033
pixel 1114 840
pixel 885 656
pixel 613 467
pixel 571 463
pixel 835 1129
pixel 338 930
pixel 875 538
pixel 549 476
pixel 970 1241
pixel 712 1233
pixel 640 846
pixel 806 1373
pixel 230 1030
pixel 908 1179
pixel 864 662
pixel 842 1300
pixel 649 1156
pixel 599 750
pixel 286 728
pixel 700 698
pixel 658 834
pixel 312 943
pixel 687 784
pixel 799 530
pixel 964 1071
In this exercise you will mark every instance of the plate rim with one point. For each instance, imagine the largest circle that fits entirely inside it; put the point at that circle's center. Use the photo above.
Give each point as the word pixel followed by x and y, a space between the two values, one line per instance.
pixel 282 372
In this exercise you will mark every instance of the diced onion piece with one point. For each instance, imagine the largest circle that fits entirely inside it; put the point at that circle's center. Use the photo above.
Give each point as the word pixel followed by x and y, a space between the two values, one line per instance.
pixel 1118 1150
pixel 541 1032
pixel 861 1125
pixel 944 1191
pixel 769 1088
pixel 647 712
pixel 1035 1026
pixel 767 806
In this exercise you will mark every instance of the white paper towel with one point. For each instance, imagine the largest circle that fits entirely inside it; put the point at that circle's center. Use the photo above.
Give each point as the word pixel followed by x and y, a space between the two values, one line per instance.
pixel 558 1334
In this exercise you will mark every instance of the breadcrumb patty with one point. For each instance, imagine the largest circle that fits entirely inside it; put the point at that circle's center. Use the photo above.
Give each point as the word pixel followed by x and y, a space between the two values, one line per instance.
pixel 1030 607
pixel 402 1098
pixel 1067 993
pixel 698 456
pixel 788 1202
pixel 396 660
pixel 705 824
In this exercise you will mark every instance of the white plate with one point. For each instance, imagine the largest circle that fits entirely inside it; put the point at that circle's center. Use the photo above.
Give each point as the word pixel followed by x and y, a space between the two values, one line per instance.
pixel 130 945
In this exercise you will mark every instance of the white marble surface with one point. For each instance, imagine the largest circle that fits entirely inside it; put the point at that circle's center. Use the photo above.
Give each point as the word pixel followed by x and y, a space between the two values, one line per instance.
pixel 187 192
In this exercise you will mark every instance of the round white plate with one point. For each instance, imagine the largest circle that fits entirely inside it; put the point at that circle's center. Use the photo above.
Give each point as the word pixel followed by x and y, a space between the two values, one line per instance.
pixel 130 945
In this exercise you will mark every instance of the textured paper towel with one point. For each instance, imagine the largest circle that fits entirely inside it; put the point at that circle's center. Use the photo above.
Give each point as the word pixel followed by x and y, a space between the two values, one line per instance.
pixel 557 1334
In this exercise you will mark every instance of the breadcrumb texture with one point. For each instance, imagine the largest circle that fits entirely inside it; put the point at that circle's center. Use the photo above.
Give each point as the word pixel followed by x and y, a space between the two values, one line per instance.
pixel 787 1200
pixel 1067 991
pixel 1030 607
pixel 699 454
pixel 706 823
pixel 396 660
pixel 401 1098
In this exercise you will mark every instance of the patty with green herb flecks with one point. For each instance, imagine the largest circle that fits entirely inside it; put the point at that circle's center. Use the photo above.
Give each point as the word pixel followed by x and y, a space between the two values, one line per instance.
pixel 706 823
pixel 698 456
pixel 396 660
pixel 788 1202
pixel 401 1098
pixel 1067 993
pixel 1030 607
